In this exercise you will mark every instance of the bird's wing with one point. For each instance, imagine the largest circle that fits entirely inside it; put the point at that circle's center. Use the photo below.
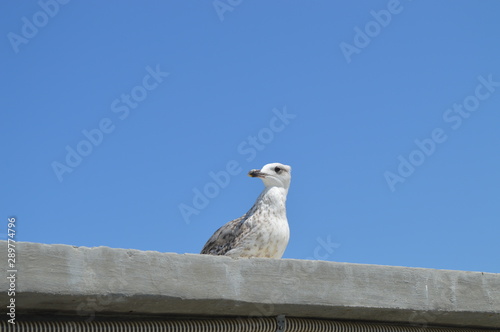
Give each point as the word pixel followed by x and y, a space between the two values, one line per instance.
pixel 225 237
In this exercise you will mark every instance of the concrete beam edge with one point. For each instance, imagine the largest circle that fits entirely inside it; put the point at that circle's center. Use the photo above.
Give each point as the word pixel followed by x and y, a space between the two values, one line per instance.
pixel 62 277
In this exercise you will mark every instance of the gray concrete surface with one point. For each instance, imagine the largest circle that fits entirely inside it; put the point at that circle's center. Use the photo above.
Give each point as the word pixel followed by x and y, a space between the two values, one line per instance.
pixel 89 281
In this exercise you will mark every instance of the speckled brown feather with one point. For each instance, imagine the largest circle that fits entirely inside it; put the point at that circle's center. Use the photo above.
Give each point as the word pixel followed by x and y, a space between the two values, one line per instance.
pixel 225 238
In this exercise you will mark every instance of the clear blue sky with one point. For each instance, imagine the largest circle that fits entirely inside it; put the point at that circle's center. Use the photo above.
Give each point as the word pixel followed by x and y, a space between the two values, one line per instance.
pixel 115 113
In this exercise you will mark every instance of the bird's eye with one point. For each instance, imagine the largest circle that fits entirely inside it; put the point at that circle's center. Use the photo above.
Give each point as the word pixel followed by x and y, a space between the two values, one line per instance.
pixel 277 169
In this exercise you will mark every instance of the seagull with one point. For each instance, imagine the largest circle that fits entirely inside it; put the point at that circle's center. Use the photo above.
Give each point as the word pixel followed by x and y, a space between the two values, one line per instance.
pixel 262 231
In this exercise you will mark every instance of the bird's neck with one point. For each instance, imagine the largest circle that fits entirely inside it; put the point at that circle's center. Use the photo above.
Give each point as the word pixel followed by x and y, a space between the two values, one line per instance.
pixel 273 198
pixel 276 192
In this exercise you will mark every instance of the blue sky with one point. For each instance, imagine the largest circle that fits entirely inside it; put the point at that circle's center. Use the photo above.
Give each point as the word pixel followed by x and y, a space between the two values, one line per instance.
pixel 116 114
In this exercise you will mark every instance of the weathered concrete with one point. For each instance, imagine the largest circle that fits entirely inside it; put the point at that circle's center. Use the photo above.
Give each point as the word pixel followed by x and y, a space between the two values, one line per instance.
pixel 87 281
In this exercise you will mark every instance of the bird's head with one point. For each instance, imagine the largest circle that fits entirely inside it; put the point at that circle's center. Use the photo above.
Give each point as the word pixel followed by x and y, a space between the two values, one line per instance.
pixel 273 175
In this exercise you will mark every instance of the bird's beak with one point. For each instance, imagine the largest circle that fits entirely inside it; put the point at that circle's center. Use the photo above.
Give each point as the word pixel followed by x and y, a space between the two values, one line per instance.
pixel 256 173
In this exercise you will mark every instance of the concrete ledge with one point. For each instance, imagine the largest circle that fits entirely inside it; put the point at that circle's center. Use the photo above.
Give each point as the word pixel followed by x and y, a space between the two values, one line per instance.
pixel 61 279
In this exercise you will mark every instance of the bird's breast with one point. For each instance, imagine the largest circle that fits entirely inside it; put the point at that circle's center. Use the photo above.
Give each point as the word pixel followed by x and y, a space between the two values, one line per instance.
pixel 268 234
pixel 265 228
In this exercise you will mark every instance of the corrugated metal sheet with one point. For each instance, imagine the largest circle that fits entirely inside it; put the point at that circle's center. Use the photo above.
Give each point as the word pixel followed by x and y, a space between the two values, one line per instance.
pixel 224 325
